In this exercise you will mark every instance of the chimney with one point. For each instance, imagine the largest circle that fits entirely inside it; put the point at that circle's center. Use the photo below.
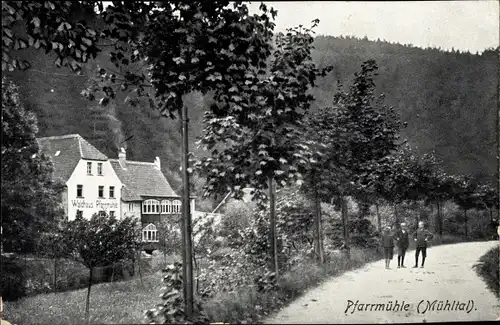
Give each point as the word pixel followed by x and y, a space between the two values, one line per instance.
pixel 158 163
pixel 122 158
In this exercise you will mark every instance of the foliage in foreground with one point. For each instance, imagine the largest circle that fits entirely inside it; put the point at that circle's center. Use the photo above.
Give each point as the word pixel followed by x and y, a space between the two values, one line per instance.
pixel 29 195
pixel 98 242
pixel 489 269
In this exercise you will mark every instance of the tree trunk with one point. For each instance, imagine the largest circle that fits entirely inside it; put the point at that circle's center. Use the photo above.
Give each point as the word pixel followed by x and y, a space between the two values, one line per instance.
pixel 379 221
pixel 113 272
pixel 133 264
pixel 318 243
pixel 195 265
pixel 87 304
pixel 272 232
pixel 466 223
pixel 187 266
pixel 139 267
pixel 396 213
pixel 55 274
pixel 345 225
pixel 438 221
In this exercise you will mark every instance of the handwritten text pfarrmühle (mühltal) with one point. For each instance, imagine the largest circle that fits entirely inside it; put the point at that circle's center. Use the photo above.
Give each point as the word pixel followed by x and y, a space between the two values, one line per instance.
pixel 422 307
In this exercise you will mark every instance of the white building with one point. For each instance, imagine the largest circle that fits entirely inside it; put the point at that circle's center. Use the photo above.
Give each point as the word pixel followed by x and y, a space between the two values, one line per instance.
pixel 120 187
pixel 91 182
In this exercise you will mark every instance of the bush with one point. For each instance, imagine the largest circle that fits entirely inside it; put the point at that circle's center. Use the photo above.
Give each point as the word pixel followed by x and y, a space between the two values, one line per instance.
pixel 488 269
pixel 362 234
pixel 12 284
pixel 29 276
pixel 236 218
pixel 247 303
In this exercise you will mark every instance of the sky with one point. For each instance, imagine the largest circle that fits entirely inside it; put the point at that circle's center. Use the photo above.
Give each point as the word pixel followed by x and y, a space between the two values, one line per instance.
pixel 463 25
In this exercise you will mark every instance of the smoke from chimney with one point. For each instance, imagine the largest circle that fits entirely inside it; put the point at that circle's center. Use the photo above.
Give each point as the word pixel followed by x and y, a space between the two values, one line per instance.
pixel 116 127
pixel 122 157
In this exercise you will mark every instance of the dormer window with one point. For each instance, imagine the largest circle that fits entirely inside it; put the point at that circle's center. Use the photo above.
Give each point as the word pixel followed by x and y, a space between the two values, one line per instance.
pixel 99 169
pixel 150 233
pixel 89 168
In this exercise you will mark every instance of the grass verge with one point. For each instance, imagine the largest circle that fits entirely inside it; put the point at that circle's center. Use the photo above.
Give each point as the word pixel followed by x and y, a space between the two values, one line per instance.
pixel 124 302
pixel 110 303
pixel 488 269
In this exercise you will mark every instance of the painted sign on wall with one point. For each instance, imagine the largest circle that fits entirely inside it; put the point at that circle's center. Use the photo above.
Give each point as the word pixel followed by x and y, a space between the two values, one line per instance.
pixel 99 204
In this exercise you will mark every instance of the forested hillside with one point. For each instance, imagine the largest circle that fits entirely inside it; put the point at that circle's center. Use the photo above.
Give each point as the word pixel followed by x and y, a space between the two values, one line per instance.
pixel 447 98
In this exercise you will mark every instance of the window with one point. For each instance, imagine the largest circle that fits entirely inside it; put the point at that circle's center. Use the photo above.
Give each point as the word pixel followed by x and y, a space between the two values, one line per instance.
pixel 166 206
pixel 111 192
pixel 100 192
pixel 79 191
pixel 177 206
pixel 149 233
pixel 79 213
pixel 150 207
pixel 89 168
pixel 99 169
pixel 111 213
pixel 131 206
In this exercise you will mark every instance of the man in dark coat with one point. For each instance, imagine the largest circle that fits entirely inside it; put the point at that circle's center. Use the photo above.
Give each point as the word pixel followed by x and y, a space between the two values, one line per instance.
pixel 402 243
pixel 421 237
pixel 388 244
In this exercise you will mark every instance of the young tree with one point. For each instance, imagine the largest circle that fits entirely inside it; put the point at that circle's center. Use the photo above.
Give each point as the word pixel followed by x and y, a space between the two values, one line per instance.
pixel 98 242
pixel 488 198
pixel 52 245
pixel 186 46
pixel 466 197
pixel 30 198
pixel 358 132
pixel 255 132
pixel 436 184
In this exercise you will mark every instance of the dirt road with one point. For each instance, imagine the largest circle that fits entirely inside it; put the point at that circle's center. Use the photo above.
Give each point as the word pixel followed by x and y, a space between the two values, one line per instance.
pixel 447 289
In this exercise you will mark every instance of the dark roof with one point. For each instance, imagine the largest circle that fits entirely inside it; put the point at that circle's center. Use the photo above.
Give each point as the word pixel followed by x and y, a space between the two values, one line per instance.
pixel 69 149
pixel 142 180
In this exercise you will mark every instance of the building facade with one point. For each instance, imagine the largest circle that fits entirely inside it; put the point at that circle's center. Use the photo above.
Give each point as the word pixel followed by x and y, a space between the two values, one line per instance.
pixel 91 182
pixel 120 187
pixel 146 194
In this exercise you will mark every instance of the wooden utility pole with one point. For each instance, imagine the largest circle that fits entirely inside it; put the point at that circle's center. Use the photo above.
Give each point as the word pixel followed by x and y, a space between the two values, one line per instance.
pixel 272 232
pixel 187 252
pixel 379 222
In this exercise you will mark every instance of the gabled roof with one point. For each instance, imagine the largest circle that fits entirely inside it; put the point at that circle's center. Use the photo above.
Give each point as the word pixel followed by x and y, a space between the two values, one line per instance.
pixel 142 180
pixel 66 151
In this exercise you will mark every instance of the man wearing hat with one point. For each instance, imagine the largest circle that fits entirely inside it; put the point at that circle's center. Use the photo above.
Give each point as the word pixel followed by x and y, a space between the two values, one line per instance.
pixel 388 244
pixel 421 237
pixel 402 242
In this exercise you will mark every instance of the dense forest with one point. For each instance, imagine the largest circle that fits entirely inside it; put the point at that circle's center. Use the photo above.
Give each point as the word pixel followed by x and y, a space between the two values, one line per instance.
pixel 448 100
